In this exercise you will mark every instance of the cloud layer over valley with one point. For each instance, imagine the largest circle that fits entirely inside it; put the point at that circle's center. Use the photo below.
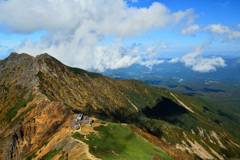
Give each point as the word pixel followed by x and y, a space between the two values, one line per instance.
pixel 198 63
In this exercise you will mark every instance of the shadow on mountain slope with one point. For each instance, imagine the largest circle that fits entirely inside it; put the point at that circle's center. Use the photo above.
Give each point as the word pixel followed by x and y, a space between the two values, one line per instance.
pixel 164 108
pixel 167 110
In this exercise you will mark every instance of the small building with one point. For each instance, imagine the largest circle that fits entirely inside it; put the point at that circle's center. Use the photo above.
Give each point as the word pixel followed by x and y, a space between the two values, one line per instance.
pixel 74 125
pixel 79 117
pixel 86 120
pixel 80 120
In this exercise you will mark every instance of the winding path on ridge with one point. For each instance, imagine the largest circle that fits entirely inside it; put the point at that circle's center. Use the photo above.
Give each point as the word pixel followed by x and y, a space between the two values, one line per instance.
pixel 85 148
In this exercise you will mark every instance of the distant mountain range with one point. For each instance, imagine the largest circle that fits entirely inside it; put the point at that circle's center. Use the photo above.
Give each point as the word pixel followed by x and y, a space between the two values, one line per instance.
pixel 40 96
pixel 224 83
pixel 178 73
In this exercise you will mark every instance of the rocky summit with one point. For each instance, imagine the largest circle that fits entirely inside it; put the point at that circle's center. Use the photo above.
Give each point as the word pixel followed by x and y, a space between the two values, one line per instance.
pixel 40 97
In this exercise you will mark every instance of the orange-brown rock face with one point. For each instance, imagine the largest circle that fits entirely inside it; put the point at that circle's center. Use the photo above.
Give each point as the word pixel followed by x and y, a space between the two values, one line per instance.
pixel 27 117
pixel 38 126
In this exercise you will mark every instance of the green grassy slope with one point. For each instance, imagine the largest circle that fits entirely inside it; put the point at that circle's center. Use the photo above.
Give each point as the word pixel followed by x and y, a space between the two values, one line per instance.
pixel 117 141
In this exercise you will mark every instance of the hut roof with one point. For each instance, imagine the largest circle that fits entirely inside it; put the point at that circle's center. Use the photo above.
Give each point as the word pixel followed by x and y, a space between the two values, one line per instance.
pixel 79 116
pixel 74 123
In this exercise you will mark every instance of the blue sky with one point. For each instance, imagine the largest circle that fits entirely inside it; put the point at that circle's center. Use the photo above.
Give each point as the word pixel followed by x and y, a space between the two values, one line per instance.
pixel 107 34
pixel 211 11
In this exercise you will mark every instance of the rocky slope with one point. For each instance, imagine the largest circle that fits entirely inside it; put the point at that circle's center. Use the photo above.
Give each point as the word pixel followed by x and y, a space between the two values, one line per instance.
pixel 39 96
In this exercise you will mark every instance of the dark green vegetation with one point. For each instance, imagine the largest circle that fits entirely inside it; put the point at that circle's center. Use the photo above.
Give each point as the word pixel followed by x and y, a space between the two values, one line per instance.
pixel 171 112
pixel 207 90
pixel 219 101
pixel 21 116
pixel 51 154
pixel 221 114
pixel 82 72
pixel 164 108
pixel 116 141
pixel 78 136
pixel 12 112
pixel 31 156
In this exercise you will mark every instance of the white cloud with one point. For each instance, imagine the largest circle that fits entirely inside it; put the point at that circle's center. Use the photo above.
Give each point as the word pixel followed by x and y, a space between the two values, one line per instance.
pixel 208 64
pixel 165 46
pixel 117 56
pixel 113 57
pixel 162 45
pixel 198 63
pixel 149 63
pixel 75 28
pixel 104 17
pixel 189 30
pixel 233 35
pixel 223 30
pixel 189 13
pixel 174 60
pixel 134 1
pixel 218 28
pixel 238 25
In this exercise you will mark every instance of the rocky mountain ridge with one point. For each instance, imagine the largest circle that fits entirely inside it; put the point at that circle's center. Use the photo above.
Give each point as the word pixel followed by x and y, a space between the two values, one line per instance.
pixel 40 96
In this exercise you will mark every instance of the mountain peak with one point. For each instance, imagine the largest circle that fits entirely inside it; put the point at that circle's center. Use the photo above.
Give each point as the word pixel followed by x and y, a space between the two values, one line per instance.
pixel 43 56
pixel 19 69
pixel 14 55
pixel 15 59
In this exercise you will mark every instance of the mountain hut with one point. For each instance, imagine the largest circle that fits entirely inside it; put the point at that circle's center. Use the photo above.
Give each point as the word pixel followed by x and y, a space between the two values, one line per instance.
pixel 79 117
pixel 86 120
